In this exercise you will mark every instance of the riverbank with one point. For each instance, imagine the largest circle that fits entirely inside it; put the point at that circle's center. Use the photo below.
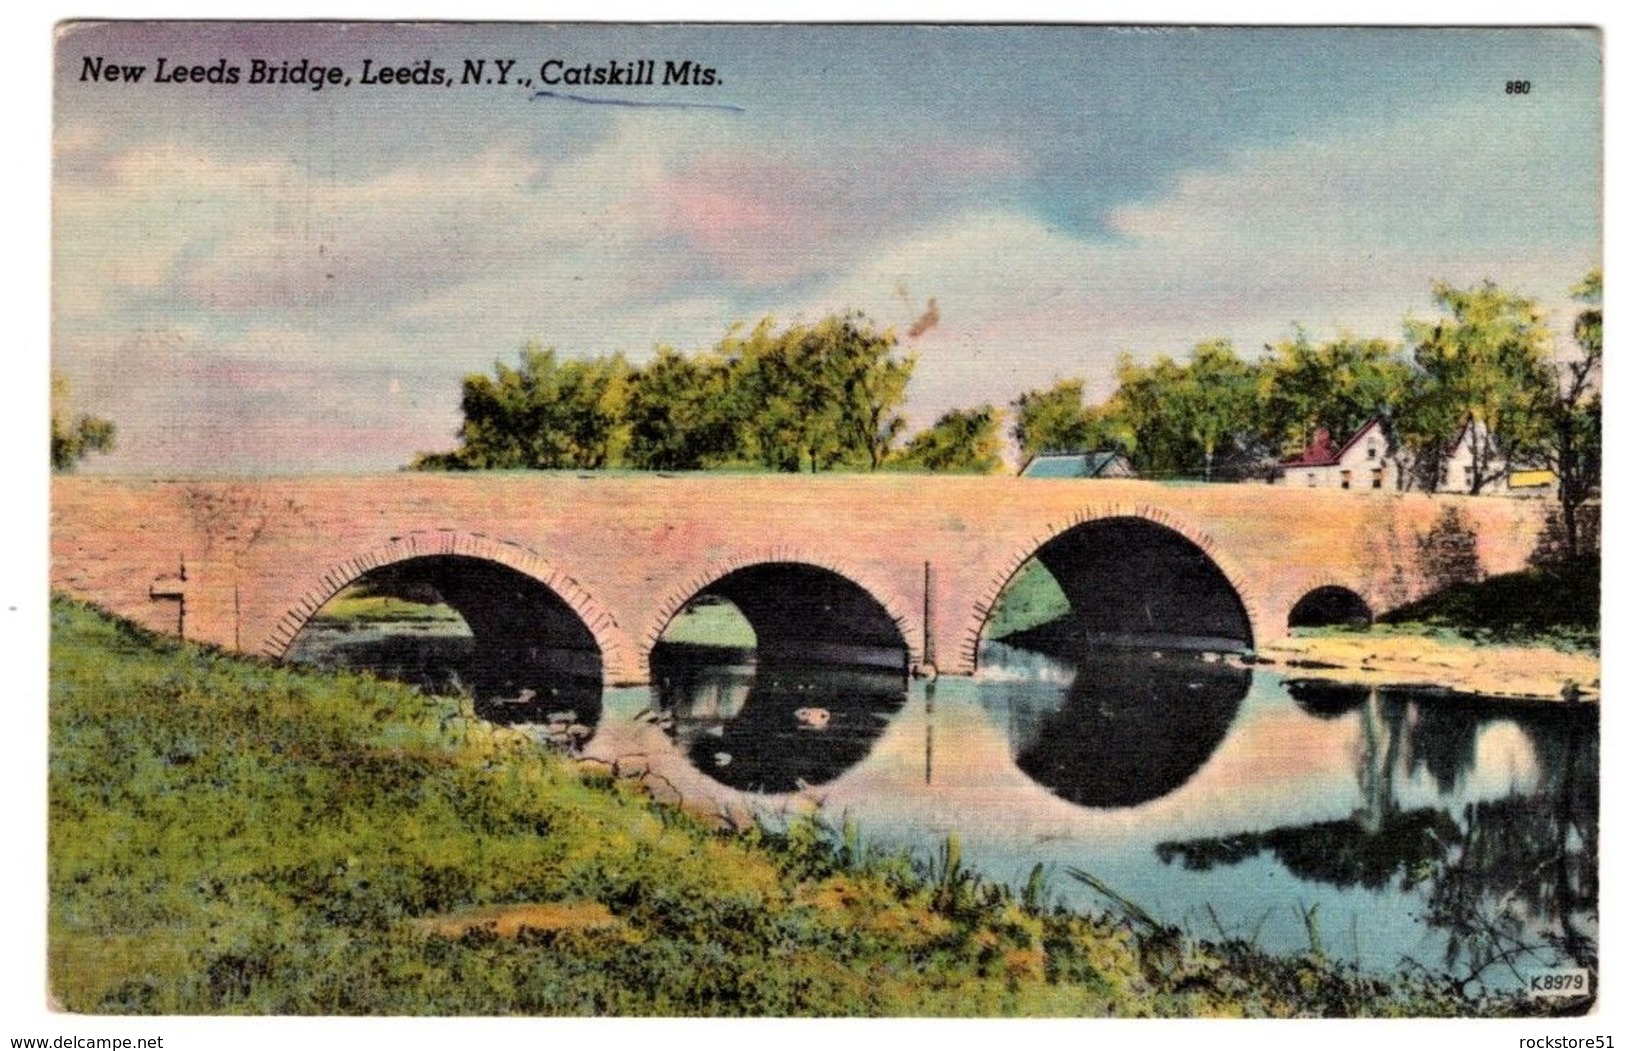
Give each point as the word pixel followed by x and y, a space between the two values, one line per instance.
pixel 1533 634
pixel 1400 656
pixel 232 837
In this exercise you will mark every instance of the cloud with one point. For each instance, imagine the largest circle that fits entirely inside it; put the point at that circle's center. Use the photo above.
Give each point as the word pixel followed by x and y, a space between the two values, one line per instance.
pixel 1346 229
pixel 268 274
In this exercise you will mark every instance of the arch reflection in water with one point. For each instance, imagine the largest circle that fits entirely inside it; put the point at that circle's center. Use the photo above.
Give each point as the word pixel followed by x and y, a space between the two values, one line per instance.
pixel 771 725
pixel 1130 727
pixel 448 624
pixel 1325 699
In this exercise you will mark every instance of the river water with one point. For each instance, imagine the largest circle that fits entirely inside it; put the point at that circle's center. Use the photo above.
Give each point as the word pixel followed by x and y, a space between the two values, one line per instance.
pixel 1387 828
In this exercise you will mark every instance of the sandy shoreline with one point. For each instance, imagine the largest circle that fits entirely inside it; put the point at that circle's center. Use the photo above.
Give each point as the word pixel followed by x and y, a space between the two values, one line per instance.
pixel 1393 660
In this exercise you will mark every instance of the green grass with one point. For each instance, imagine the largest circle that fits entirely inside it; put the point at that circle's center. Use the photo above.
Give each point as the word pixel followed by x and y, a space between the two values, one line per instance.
pixel 354 606
pixel 232 837
pixel 1557 606
pixel 1032 597
pixel 720 624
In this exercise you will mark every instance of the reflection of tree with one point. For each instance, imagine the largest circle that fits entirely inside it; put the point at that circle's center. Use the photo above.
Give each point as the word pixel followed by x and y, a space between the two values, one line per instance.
pixel 1342 853
pixel 1513 882
pixel 1522 886
pixel 1381 729
pixel 1442 742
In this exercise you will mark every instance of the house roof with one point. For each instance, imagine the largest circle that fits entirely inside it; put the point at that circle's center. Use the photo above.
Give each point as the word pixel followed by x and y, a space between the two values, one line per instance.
pixel 1469 426
pixel 1075 465
pixel 1322 453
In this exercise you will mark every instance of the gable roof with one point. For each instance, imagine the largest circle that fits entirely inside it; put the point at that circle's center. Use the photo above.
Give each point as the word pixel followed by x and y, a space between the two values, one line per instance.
pixel 1072 465
pixel 1472 426
pixel 1322 453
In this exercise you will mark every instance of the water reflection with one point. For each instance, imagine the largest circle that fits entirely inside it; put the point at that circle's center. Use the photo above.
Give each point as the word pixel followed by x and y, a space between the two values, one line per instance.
pixel 1416 826
pixel 1510 880
pixel 511 684
pixel 1120 728
pixel 766 725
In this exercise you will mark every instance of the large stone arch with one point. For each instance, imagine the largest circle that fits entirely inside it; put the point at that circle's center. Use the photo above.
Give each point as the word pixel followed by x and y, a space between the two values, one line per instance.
pixel 675 598
pixel 1245 592
pixel 322 586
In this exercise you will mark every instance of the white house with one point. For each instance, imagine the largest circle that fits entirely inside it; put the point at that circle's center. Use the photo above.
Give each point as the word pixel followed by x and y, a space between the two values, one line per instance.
pixel 1363 463
pixel 1500 478
pixel 1474 440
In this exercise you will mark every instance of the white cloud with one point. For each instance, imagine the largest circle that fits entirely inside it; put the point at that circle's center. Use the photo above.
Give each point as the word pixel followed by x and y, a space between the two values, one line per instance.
pixel 435 269
pixel 1346 230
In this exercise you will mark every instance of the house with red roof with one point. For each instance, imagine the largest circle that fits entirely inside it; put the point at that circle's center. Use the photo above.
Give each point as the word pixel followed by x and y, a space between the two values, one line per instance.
pixel 1362 464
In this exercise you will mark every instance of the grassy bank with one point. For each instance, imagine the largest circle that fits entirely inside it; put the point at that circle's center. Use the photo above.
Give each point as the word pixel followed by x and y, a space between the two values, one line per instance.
pixel 1032 598
pixel 1557 606
pixel 1531 634
pixel 227 836
pixel 354 606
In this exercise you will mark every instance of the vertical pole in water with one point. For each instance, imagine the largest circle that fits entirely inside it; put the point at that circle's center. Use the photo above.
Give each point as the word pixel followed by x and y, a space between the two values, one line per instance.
pixel 930 656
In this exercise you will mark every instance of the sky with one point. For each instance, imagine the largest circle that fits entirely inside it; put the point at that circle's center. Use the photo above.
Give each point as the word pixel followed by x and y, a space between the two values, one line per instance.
pixel 274 279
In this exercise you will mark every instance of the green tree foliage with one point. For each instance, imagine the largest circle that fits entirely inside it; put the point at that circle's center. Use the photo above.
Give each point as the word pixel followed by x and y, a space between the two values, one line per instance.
pixel 74 437
pixel 962 440
pixel 546 413
pixel 1051 421
pixel 1184 416
pixel 828 395
pixel 1338 385
pixel 683 413
pixel 1571 440
pixel 807 397
pixel 1484 374
pixel 819 396
pixel 1057 421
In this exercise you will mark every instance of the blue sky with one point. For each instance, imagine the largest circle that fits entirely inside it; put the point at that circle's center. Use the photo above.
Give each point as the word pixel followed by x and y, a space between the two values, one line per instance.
pixel 277 279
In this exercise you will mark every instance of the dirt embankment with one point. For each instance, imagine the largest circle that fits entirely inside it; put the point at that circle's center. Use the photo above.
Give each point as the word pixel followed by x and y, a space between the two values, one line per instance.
pixel 1497 671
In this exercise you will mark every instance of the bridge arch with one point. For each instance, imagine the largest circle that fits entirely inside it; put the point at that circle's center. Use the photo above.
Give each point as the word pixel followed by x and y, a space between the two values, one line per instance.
pixel 1186 585
pixel 1330 603
pixel 792 597
pixel 559 599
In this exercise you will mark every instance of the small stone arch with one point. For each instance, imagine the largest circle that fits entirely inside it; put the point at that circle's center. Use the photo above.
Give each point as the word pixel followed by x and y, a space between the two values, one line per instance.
pixel 908 629
pixel 1247 595
pixel 1330 602
pixel 599 623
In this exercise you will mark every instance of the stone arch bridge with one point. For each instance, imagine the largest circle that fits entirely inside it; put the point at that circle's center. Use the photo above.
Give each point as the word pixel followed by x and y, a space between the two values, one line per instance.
pixel 602 563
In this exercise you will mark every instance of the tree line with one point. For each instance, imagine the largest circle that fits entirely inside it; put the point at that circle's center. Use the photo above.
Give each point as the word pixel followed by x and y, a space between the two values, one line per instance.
pixel 805 397
pixel 829 395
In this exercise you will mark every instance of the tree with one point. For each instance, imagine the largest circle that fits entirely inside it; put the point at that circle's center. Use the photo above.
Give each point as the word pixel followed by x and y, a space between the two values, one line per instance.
pixel 962 440
pixel 819 395
pixel 1183 416
pixel 682 413
pixel 1051 421
pixel 1572 438
pixel 1057 420
pixel 1217 400
pixel 74 439
pixel 544 414
pixel 1484 377
pixel 1337 385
